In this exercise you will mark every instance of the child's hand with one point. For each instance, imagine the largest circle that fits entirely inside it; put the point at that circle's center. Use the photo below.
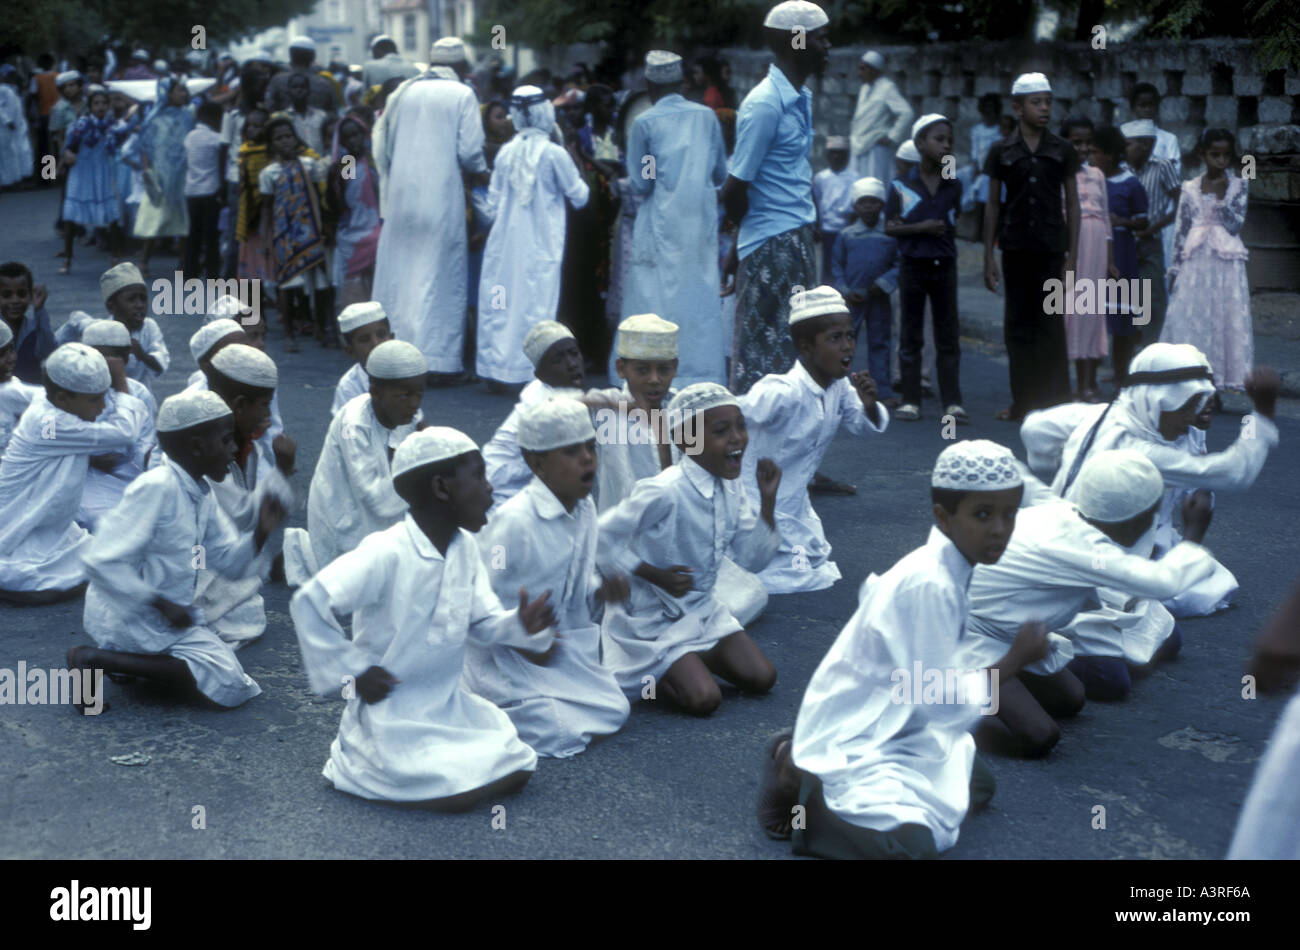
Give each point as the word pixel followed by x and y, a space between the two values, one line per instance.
pixel 538 615
pixel 270 514
pixel 1029 646
pixel 866 387
pixel 613 588
pixel 286 451
pixel 541 657
pixel 991 278
pixel 117 373
pixel 677 579
pixel 1197 513
pixel 40 293
pixel 375 684
pixel 177 616
pixel 768 474
pixel 729 267
pixel 1261 386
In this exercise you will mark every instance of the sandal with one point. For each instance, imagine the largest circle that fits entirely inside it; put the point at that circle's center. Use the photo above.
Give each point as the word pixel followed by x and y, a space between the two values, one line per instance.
pixel 821 485
pixel 958 413
pixel 909 412
pixel 778 791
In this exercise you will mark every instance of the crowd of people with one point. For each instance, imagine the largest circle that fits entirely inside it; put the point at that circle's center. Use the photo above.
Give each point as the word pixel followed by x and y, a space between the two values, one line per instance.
pixel 635 531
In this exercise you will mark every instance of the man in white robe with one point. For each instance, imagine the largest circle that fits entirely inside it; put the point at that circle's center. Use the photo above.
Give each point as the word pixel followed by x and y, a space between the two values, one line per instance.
pixel 519 285
pixel 677 160
pixel 429 135
pixel 882 120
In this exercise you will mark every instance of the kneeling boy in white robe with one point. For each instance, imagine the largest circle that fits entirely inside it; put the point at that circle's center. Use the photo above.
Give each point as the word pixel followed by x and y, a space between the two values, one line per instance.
pixel 412 730
pixel 351 494
pixel 673 635
pixel 206 343
pixel 1059 556
pixel 111 472
pixel 544 538
pixel 15 395
pixel 873 769
pixel 557 364
pixel 631 444
pixel 246 379
pixel 793 417
pixel 43 471
pixel 141 607
pixel 363 326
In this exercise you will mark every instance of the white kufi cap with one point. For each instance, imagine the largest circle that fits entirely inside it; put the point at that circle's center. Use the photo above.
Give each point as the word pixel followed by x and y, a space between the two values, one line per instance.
pixel 924 121
pixel 448 51
pixel 228 307
pixel 190 408
pixel 907 152
pixel 554 423
pixel 434 444
pixel 247 365
pixel 208 335
pixel 867 188
pixel 1138 129
pixel 542 337
pixel 6 335
pixel 795 14
pixel 873 59
pixel 79 369
pixel 1117 485
pixel 303 42
pixel 106 333
pixel 117 277
pixel 647 336
pixel 396 359
pixel 356 315
pixel 976 465
pixel 1027 83
pixel 663 66
pixel 698 397
pixel 818 302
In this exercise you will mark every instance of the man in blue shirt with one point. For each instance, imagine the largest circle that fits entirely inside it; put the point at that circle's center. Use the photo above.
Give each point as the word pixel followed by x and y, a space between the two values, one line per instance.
pixel 769 192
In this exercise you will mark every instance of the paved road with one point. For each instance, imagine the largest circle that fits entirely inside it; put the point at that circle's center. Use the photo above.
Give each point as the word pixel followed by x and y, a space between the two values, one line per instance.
pixel 1171 765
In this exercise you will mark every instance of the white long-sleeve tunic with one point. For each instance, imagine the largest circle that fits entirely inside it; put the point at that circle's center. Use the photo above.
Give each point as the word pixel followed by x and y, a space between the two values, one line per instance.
pixel 519 285
pixel 560 706
pixel 15 397
pixel 351 492
pixel 683 515
pixel 151 340
pixel 42 476
pixel 883 763
pixel 1051 570
pixel 413 611
pixel 150 546
pixel 197 381
pixel 792 420
pixel 507 471
pixel 350 385
pixel 1045 432
pixel 103 490
pixel 428 136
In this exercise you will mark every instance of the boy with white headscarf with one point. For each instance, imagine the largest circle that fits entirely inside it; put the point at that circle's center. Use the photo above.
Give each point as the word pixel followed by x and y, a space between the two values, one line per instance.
pixel 519 286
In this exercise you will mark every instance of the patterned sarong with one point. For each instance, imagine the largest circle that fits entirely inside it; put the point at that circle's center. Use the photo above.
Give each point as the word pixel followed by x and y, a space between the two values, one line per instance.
pixel 764 282
pixel 296 238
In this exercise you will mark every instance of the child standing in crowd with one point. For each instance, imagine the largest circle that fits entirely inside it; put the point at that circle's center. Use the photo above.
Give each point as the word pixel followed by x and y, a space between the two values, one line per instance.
pixel 90 198
pixel 1127 200
pixel 308 121
pixel 982 136
pixel 67 110
pixel 1144 105
pixel 160 151
pixel 352 208
pixel 253 217
pixel 1160 181
pixel 921 215
pixel 203 193
pixel 831 194
pixel 1209 304
pixel 33 336
pixel 864 268
pixel 127 116
pixel 1085 330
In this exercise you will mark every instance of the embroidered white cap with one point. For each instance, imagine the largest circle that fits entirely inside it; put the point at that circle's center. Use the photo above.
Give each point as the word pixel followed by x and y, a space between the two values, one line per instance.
pixel 1138 129
pixel 907 152
pixel 247 365
pixel 228 307
pixel 396 359
pixel 553 423
pixel 837 143
pixel 699 397
pixel 356 315
pixel 1117 485
pixel 817 302
pixel 976 465
pixel 208 335
pixel 663 66
pixel 106 333
pixel 925 121
pixel 118 277
pixel 1027 83
pixel 434 444
pixel 873 59
pixel 78 368
pixel 795 14
pixel 867 188
pixel 542 337
pixel 448 51
pixel 190 408
pixel 647 336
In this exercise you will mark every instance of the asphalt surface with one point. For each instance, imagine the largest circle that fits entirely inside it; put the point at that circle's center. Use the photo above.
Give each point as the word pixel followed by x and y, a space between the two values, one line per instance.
pixel 1171 765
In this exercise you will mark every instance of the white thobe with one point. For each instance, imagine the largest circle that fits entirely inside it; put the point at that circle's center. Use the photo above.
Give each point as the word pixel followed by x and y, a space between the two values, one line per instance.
pixel 1045 432
pixel 413 611
pixel 148 547
pixel 152 342
pixel 103 490
pixel 882 763
pixel 792 421
pixel 197 381
pixel 881 111
pixel 350 385
pixel 1269 825
pixel 351 492
pixel 507 471
pixel 1050 571
pixel 15 397
pixel 673 269
pixel 627 451
pixel 519 285
pixel 559 706
pixel 683 515
pixel 42 476
pixel 423 142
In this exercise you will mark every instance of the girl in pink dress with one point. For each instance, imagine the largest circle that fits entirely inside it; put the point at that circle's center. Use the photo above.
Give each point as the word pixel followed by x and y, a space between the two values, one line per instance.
pixel 1085 328
pixel 1209 302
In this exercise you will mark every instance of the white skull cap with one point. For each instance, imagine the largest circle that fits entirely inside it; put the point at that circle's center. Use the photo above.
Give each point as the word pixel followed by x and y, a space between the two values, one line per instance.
pixel 795 14
pixel 6 335
pixel 106 333
pixel 873 59
pixel 1138 129
pixel 976 465
pixel 190 408
pixel 1027 83
pixel 356 315
pixel 207 336
pixel 448 51
pixel 1117 485
pixel 699 397
pixel 818 302
pixel 228 307
pixel 542 337
pixel 907 152
pixel 247 365
pixel 79 369
pixel 867 188
pixel 647 336
pixel 303 42
pixel 554 423
pixel 663 66
pixel 117 277
pixel 926 121
pixel 434 444
pixel 396 359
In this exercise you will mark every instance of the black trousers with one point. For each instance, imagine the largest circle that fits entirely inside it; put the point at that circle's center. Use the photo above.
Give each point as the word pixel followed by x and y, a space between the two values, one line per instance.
pixel 1035 339
pixel 935 278
pixel 204 241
